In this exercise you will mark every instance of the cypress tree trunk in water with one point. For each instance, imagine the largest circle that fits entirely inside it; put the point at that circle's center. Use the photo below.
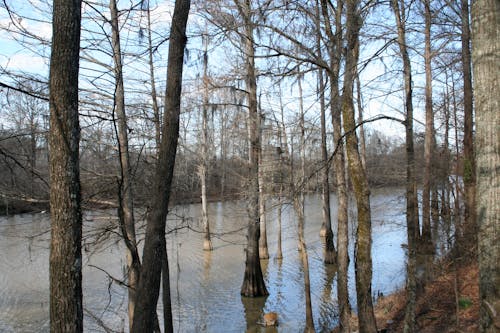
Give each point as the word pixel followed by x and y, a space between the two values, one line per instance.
pixel 66 306
pixel 253 281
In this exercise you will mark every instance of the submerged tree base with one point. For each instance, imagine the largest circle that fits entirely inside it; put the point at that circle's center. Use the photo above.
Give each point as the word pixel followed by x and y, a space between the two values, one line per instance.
pixel 207 245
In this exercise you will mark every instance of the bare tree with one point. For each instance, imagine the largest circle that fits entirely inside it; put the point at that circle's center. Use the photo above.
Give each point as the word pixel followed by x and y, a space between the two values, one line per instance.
pixel 125 194
pixel 155 260
pixel 412 225
pixel 357 173
pixel 326 227
pixel 203 166
pixel 66 304
pixel 253 281
pixel 468 234
pixel 426 246
pixel 334 48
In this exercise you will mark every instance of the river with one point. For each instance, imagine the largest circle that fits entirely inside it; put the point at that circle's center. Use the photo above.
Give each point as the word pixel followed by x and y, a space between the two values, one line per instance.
pixel 205 286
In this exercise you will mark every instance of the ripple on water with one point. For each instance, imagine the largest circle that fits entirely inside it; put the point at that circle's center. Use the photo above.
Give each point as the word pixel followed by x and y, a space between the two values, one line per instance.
pixel 205 287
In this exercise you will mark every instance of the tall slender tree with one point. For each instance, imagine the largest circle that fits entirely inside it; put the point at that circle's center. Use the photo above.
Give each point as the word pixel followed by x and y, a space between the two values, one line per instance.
pixel 326 227
pixel 334 47
pixel 203 166
pixel 357 173
pixel 155 259
pixel 412 225
pixel 468 234
pixel 426 246
pixel 66 304
pixel 126 206
pixel 253 280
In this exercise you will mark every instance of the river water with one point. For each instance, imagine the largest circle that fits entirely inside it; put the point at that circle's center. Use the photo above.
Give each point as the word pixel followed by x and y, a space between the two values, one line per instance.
pixel 205 286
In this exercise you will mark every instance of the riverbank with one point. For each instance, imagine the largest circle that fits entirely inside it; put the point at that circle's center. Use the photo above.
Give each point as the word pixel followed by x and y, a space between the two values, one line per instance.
pixel 448 304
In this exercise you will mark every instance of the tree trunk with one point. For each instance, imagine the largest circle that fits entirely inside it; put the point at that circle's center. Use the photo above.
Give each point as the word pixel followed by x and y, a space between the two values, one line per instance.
pixel 263 249
pixel 486 60
pixel 411 193
pixel 154 244
pixel 253 281
pixel 326 227
pixel 298 203
pixel 357 173
pixel 468 234
pixel 426 245
pixel 335 53
pixel 202 168
pixel 126 206
pixel 66 306
pixel 154 97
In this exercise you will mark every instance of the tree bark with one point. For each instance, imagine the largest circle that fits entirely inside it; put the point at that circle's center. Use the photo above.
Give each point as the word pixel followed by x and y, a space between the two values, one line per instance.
pixel 467 240
pixel 66 305
pixel 486 64
pixel 202 168
pixel 326 227
pixel 154 244
pixel 411 194
pixel 363 263
pixel 426 244
pixel 126 205
pixel 253 281
pixel 335 53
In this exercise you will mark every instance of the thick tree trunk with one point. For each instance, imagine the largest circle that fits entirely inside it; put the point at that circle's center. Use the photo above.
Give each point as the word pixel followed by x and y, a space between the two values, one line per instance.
pixel 154 244
pixel 411 193
pixel 126 206
pixel 363 263
pixel 66 306
pixel 253 281
pixel 486 64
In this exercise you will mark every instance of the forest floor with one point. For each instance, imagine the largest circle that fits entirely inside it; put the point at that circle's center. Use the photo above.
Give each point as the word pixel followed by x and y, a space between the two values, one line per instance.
pixel 453 293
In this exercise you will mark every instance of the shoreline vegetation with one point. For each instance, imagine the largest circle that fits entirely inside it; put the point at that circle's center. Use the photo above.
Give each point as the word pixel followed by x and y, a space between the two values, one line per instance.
pixel 447 304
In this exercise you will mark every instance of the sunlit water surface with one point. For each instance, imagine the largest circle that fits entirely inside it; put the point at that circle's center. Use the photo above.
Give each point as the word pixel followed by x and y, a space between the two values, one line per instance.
pixel 205 286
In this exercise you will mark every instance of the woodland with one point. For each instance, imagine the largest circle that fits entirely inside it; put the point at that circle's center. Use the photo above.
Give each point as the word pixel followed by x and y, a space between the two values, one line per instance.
pixel 141 105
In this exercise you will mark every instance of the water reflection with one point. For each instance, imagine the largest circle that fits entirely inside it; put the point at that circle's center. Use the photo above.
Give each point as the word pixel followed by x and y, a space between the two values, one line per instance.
pixel 205 286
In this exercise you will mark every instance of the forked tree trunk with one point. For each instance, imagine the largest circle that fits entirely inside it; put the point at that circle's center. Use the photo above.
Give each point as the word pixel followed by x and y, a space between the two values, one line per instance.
pixel 363 263
pixel 486 60
pixel 155 258
pixel 65 272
